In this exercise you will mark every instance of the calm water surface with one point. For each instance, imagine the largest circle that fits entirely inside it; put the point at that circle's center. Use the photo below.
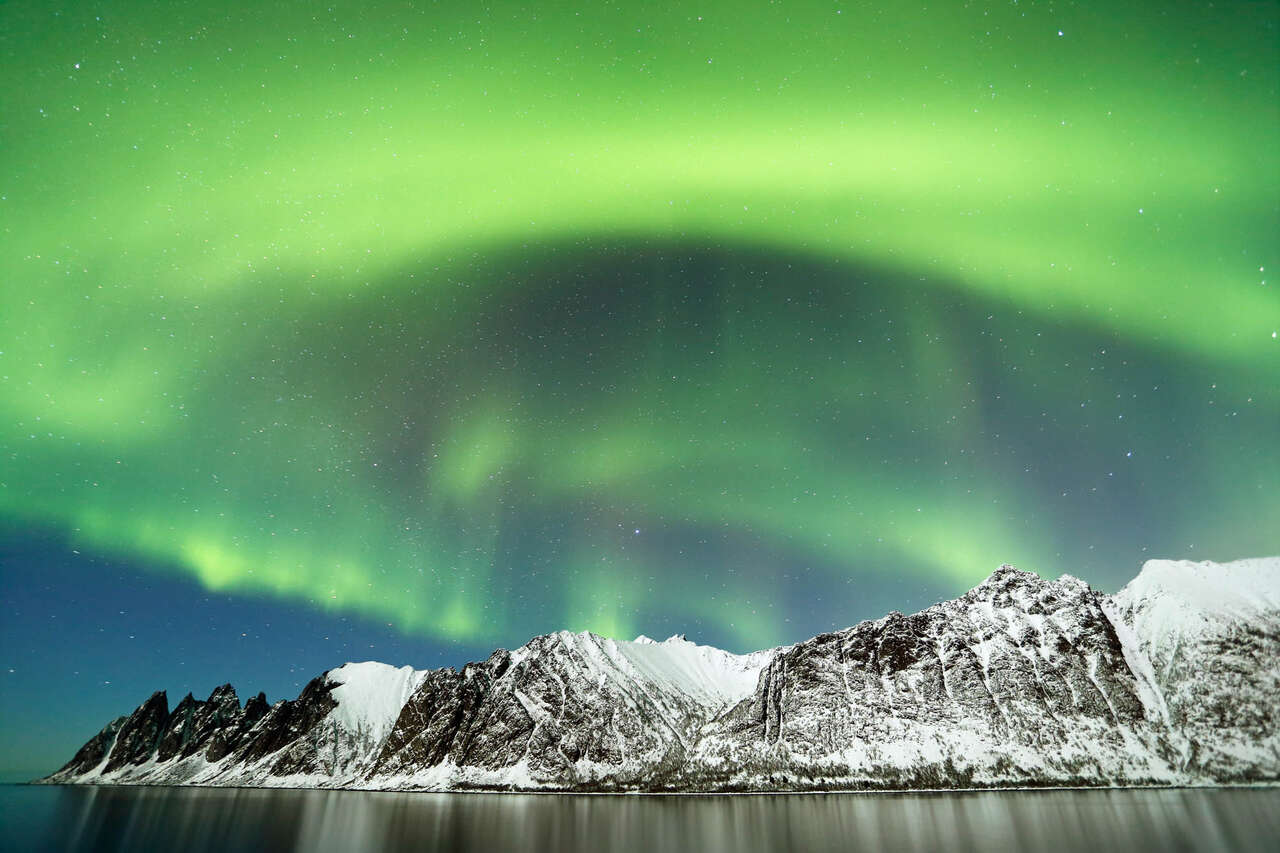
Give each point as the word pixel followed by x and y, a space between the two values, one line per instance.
pixel 123 818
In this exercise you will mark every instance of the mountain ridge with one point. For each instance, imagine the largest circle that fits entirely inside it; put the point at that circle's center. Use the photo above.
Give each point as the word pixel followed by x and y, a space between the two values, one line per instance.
pixel 1020 681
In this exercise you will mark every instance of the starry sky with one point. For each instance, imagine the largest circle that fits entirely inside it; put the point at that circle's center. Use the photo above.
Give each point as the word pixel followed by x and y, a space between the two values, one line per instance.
pixel 406 330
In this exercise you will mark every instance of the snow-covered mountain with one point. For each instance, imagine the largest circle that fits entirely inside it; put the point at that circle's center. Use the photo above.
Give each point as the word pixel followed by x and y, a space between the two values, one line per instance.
pixel 1021 681
pixel 1207 639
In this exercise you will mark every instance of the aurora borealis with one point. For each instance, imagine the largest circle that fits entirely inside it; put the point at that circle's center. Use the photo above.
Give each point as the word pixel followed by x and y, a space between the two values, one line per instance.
pixel 476 321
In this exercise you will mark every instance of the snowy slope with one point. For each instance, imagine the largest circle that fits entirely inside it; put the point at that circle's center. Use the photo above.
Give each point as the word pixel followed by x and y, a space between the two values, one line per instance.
pixel 709 675
pixel 1172 599
pixel 370 696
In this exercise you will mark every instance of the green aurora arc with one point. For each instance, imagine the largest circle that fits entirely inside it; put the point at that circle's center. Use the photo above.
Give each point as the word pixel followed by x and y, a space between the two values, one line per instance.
pixel 486 321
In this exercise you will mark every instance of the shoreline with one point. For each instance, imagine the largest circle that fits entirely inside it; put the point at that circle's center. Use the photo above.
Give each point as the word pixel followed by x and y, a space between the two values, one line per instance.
pixel 1263 785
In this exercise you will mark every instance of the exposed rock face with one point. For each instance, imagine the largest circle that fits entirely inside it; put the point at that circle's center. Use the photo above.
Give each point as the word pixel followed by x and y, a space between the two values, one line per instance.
pixel 442 721
pixel 1175 679
pixel 193 724
pixel 1020 680
pixel 578 708
pixel 223 723
pixel 140 734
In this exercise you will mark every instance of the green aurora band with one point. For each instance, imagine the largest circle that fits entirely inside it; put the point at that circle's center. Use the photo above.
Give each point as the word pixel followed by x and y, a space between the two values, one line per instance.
pixel 484 320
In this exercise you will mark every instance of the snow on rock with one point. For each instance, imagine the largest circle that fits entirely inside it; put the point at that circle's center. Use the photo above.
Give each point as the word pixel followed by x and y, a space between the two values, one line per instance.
pixel 711 675
pixel 674 667
pixel 1172 598
pixel 1139 663
pixel 370 696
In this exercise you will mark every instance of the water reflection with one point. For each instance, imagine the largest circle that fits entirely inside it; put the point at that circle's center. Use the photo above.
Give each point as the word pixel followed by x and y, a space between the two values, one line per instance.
pixel 119 819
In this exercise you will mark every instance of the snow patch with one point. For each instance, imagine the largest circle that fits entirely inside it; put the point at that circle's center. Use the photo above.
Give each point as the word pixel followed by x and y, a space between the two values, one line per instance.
pixel 703 672
pixel 675 667
pixel 370 696
pixel 1170 599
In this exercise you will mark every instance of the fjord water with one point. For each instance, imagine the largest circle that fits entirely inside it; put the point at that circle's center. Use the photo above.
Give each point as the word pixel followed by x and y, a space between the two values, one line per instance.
pixel 220 819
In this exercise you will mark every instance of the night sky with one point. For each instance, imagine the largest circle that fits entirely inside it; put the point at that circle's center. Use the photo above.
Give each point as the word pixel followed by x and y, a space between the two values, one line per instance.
pixel 408 330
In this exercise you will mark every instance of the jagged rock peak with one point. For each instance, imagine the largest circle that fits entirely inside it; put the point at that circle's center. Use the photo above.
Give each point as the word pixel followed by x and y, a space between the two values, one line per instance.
pixel 222 693
pixel 158 702
pixel 256 706
pixel 1008 574
pixel 650 641
pixel 1013 585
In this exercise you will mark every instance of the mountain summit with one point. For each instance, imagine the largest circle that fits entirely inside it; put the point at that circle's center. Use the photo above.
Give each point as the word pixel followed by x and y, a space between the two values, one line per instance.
pixel 1021 681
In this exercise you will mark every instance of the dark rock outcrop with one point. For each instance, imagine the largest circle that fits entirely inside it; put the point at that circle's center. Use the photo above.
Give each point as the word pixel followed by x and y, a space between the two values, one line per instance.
pixel 141 733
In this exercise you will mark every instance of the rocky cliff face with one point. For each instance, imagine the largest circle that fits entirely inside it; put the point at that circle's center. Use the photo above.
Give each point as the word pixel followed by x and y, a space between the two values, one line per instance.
pixel 1021 681
pixel 572 710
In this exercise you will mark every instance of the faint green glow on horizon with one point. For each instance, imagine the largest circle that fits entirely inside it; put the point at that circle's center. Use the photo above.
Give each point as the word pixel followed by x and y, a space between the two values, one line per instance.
pixel 258 260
